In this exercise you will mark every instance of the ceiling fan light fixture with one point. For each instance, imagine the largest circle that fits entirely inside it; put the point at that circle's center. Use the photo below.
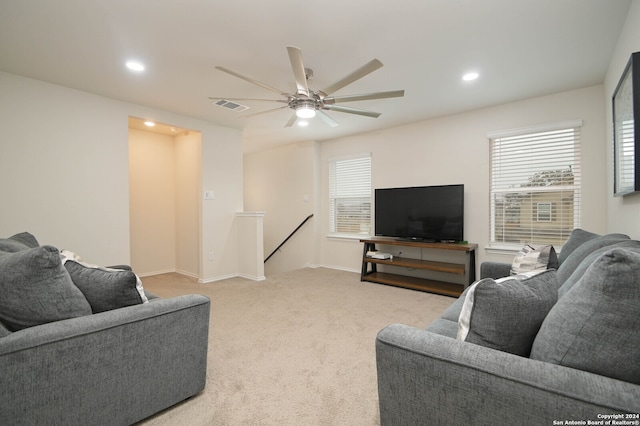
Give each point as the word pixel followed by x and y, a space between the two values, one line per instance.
pixel 305 111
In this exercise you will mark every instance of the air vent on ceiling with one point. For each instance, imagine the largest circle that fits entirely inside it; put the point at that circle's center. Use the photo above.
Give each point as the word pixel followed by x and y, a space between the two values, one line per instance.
pixel 231 105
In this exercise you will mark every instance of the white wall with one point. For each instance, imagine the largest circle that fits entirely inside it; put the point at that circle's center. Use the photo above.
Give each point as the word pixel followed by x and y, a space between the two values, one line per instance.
pixel 447 150
pixel 222 172
pixel 455 149
pixel 64 173
pixel 283 182
pixel 188 147
pixel 152 198
pixel 623 212
pixel 164 175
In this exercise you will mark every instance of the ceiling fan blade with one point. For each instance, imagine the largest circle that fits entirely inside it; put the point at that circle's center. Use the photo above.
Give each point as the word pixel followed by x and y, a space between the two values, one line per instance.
pixel 213 98
pixel 330 100
pixel 251 80
pixel 352 111
pixel 263 112
pixel 295 56
pixel 366 69
pixel 328 120
pixel 292 120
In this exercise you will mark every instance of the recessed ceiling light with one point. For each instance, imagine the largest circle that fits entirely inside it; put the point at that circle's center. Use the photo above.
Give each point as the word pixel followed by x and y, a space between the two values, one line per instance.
pixel 135 66
pixel 149 123
pixel 470 76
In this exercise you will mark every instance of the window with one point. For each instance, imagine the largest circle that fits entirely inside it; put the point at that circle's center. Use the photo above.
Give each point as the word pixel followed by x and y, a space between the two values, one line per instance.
pixel 535 185
pixel 543 212
pixel 350 196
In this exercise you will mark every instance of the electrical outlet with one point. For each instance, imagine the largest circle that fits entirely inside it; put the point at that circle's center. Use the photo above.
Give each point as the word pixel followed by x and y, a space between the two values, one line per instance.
pixel 212 256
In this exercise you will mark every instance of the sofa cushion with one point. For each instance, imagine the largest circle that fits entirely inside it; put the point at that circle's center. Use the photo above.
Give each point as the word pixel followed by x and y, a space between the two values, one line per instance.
pixel 444 327
pixel 452 313
pixel 506 314
pixel 596 326
pixel 588 261
pixel 572 262
pixel 35 289
pixel 531 258
pixel 104 288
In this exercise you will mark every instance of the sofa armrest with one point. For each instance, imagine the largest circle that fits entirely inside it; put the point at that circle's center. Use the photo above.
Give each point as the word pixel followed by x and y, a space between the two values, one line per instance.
pixel 123 365
pixel 423 376
pixel 494 269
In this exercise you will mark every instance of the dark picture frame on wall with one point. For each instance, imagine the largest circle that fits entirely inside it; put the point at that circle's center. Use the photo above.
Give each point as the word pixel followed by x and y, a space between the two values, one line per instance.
pixel 626 129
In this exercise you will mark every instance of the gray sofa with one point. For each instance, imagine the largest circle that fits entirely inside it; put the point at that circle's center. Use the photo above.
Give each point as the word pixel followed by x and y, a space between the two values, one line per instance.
pixel 111 365
pixel 572 355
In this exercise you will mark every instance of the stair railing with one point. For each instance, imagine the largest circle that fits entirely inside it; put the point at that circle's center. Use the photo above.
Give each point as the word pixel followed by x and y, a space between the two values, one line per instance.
pixel 287 239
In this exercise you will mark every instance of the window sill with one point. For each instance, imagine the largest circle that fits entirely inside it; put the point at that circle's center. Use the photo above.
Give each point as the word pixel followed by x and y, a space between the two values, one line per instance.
pixel 348 237
pixel 504 250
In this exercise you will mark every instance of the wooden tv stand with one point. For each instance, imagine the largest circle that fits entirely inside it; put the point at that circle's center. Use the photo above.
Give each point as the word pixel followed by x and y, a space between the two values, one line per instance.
pixel 465 269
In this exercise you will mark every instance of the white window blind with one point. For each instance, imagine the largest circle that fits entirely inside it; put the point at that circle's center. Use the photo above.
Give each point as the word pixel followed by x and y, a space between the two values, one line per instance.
pixel 350 196
pixel 535 185
pixel 625 158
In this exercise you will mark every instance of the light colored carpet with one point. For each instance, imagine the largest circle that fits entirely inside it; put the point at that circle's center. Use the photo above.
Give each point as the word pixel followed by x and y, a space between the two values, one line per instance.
pixel 295 349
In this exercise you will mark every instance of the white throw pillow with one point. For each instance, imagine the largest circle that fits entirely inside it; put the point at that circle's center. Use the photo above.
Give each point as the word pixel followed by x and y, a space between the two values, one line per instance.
pixel 530 258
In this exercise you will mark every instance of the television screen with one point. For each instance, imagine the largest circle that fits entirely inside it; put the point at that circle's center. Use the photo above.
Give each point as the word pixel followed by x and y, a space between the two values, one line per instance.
pixel 427 213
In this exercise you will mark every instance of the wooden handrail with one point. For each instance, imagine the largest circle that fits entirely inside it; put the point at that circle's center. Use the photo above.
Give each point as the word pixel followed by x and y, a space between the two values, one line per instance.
pixel 287 239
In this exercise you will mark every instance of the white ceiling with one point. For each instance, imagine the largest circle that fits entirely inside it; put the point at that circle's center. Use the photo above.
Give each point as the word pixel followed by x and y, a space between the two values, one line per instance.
pixel 521 48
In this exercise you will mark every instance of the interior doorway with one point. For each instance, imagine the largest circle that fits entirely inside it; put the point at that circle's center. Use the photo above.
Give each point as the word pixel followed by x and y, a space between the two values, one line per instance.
pixel 164 198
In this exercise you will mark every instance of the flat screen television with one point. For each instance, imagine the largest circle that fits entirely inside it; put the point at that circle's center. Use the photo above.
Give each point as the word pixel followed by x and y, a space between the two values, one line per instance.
pixel 423 213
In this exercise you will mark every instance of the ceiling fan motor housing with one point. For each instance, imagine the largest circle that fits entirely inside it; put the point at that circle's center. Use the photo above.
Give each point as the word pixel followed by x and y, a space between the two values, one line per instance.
pixel 308 103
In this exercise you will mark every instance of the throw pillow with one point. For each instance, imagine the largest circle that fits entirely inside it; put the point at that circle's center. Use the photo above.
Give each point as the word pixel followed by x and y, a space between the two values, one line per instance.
pixel 534 259
pixel 4 331
pixel 577 256
pixel 596 326
pixel 37 289
pixel 104 288
pixel 576 239
pixel 26 238
pixel 588 261
pixel 506 314
pixel 18 242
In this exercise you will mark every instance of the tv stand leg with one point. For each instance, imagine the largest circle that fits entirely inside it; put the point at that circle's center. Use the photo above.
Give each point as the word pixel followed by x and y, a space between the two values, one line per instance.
pixel 367 247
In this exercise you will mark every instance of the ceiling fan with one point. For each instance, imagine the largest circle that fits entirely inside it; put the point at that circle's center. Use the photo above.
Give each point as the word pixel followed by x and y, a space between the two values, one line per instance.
pixel 308 103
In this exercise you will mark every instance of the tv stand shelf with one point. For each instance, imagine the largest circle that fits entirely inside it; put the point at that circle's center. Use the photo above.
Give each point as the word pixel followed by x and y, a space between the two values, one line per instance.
pixel 466 270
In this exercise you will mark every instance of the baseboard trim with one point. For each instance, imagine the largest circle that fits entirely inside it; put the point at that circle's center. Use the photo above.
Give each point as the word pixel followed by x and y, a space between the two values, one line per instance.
pixel 212 280
pixel 148 274
pixel 340 268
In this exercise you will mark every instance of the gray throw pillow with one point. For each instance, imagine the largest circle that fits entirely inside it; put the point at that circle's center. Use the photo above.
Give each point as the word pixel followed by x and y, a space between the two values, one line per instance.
pixel 18 242
pixel 36 289
pixel 26 238
pixel 576 239
pixel 8 245
pixel 4 331
pixel 588 261
pixel 577 256
pixel 596 326
pixel 506 314
pixel 105 289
